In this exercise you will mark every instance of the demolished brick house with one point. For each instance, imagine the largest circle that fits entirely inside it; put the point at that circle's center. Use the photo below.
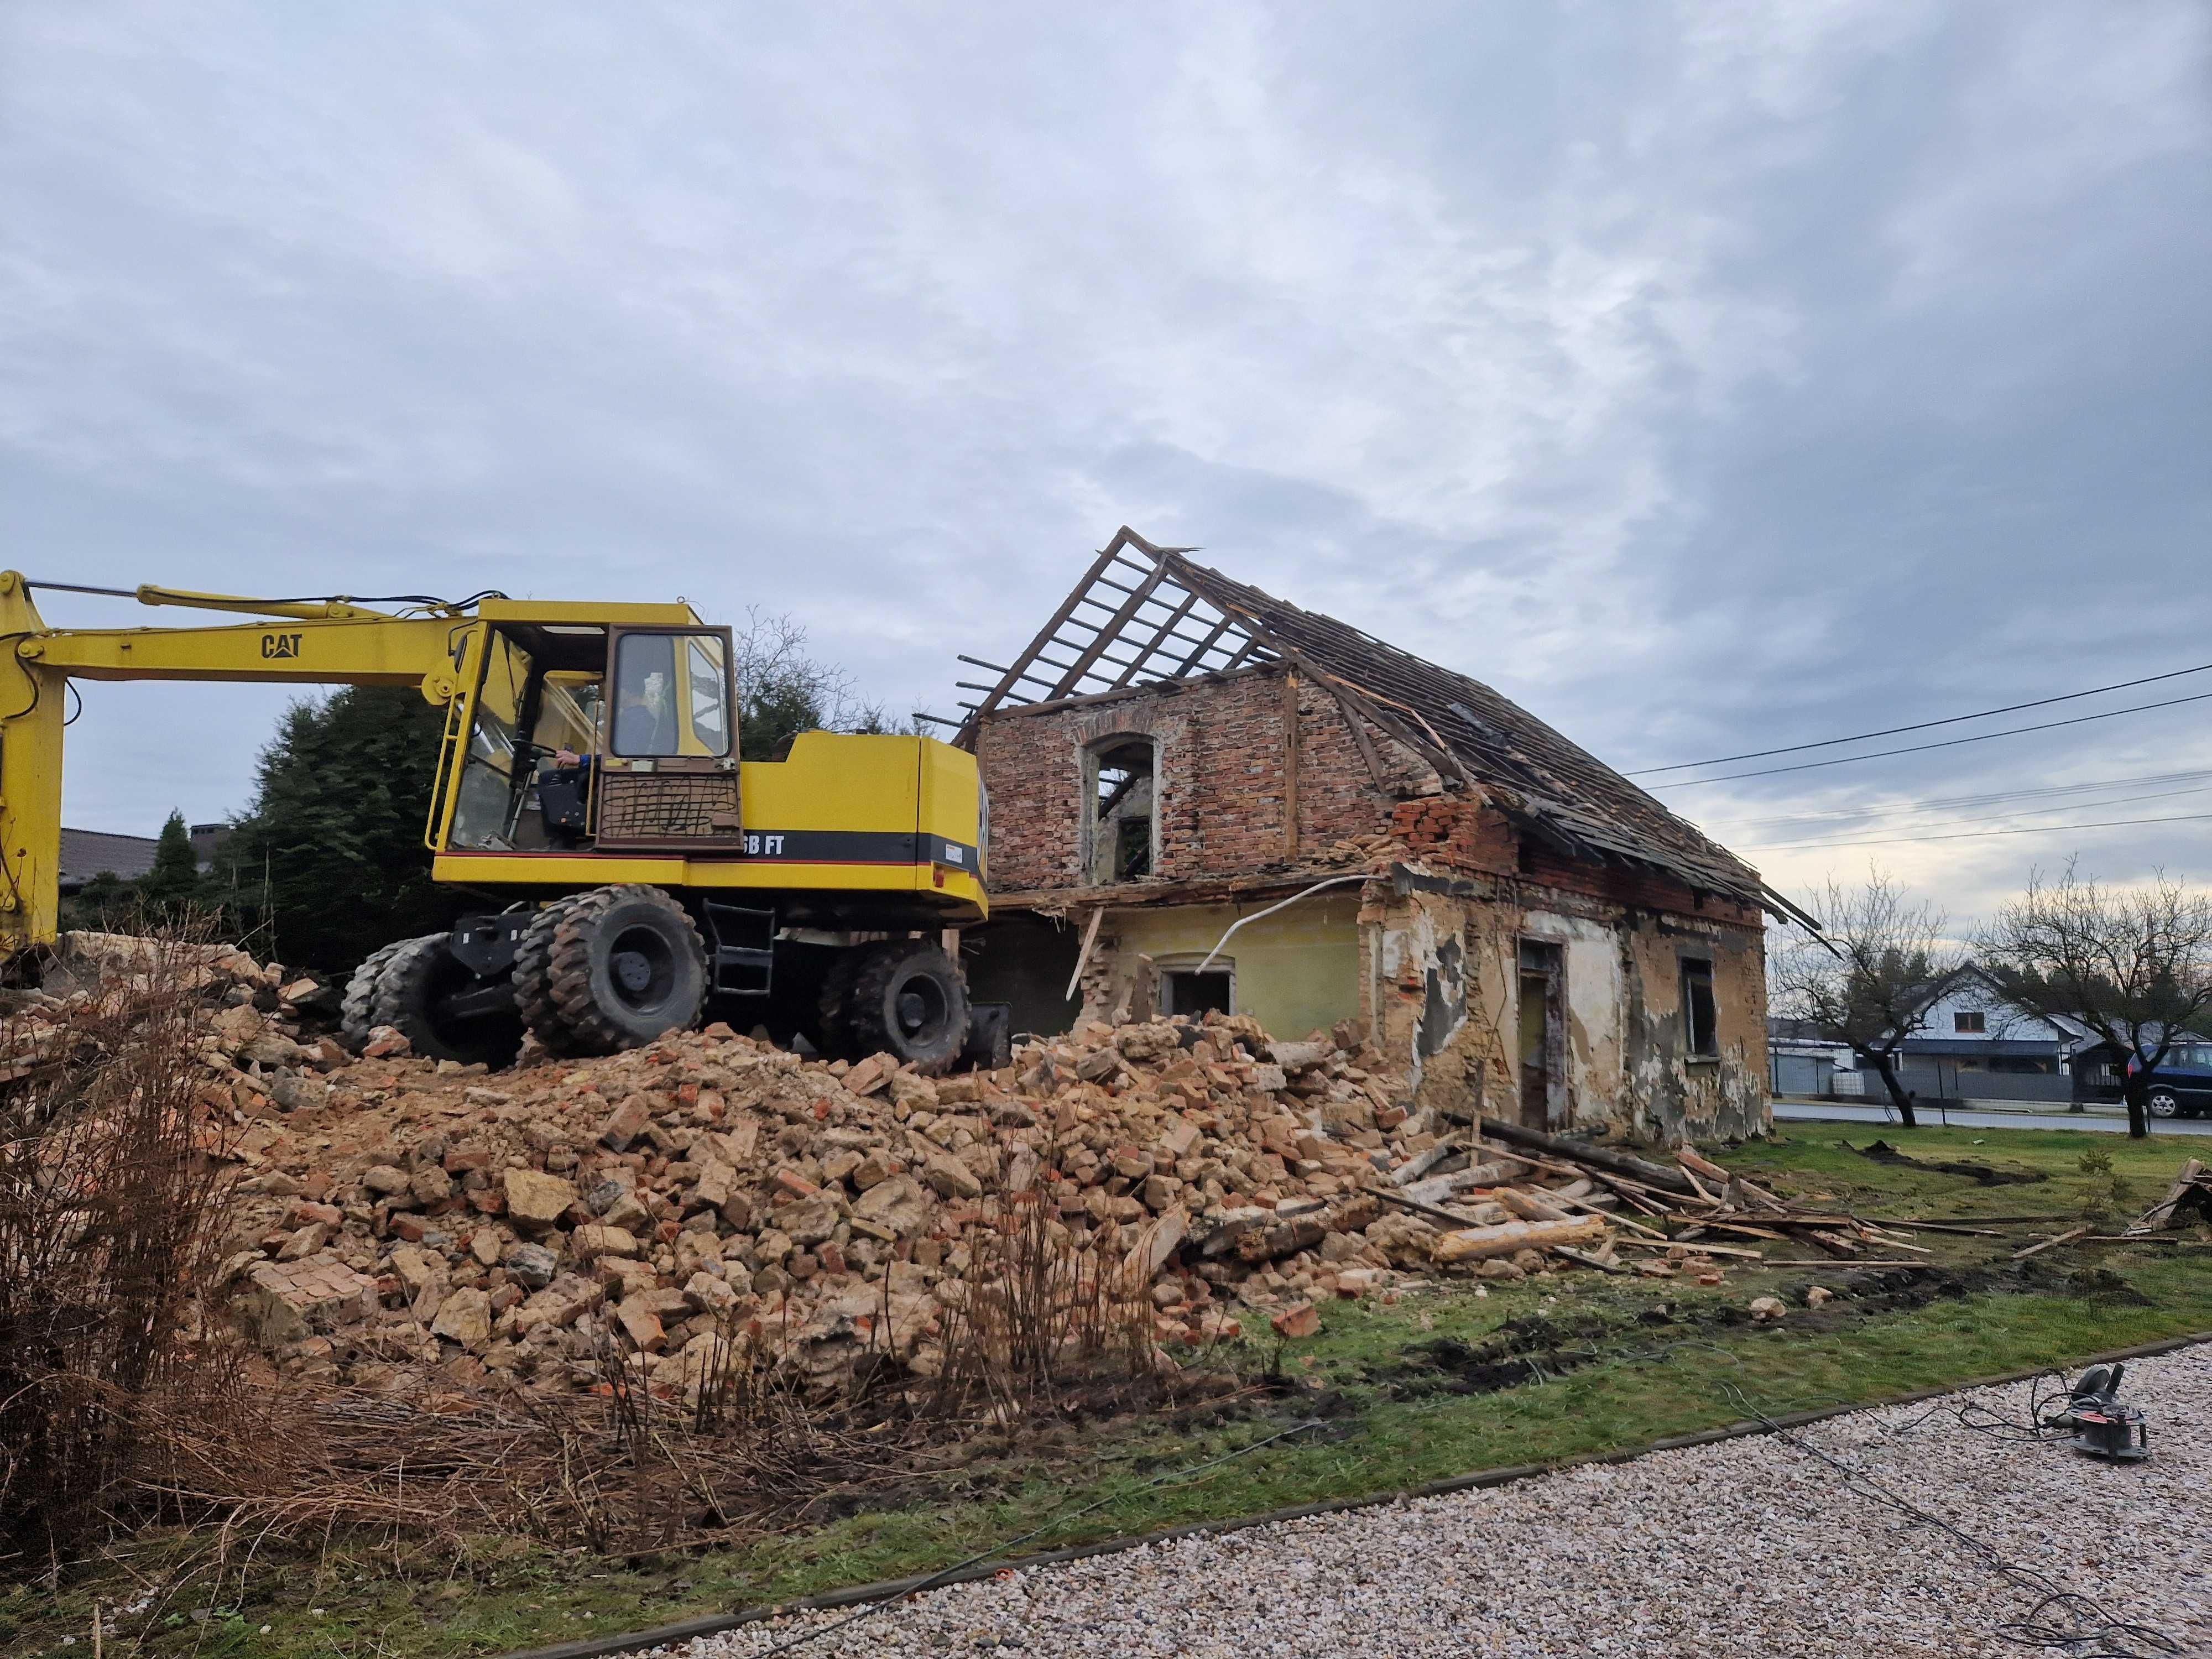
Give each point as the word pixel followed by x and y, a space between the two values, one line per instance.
pixel 1175 754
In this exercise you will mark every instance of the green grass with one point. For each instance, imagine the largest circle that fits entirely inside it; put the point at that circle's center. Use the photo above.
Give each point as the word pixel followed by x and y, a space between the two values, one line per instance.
pixel 1386 1429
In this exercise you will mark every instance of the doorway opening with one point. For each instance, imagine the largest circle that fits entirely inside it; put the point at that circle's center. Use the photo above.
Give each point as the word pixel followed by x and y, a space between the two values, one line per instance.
pixel 1543 1035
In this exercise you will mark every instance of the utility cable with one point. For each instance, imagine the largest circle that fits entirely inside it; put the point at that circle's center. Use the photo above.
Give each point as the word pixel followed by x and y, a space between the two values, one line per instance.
pixel 1923 726
pixel 1978 834
pixel 2017 812
pixel 1944 803
pixel 2092 1634
pixel 1948 743
pixel 936 1579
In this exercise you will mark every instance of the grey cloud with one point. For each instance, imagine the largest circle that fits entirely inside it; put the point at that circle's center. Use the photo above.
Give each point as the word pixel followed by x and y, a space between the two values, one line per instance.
pixel 1704 376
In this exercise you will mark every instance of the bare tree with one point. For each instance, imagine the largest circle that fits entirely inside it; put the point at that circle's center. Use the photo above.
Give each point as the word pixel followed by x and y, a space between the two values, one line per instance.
pixel 783 690
pixel 1869 978
pixel 2132 964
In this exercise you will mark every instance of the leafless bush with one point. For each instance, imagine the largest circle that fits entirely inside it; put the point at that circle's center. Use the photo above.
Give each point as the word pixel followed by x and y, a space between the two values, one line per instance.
pixel 122 1396
pixel 109 1201
pixel 1041 1319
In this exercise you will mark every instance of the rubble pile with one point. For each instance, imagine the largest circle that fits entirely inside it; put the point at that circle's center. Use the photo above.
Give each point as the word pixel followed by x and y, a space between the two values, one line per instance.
pixel 399 1218
pixel 397 1212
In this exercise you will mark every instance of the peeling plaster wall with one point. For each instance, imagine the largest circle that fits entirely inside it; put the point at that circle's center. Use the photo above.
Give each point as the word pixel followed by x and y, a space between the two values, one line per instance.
pixel 1435 988
pixel 1670 1093
pixel 1626 1065
pixel 1596 999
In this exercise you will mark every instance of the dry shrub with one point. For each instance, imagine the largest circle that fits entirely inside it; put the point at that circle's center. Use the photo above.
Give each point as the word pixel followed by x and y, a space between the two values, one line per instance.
pixel 1045 1332
pixel 110 1206
pixel 1043 1326
pixel 123 1398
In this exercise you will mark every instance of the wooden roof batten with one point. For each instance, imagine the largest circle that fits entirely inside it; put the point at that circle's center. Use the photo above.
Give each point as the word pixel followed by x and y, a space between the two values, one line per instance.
pixel 1080 648
pixel 1470 735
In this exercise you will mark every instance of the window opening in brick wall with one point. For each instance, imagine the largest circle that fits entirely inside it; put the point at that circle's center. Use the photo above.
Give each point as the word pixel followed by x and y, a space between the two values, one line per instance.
pixel 1701 1027
pixel 1186 991
pixel 1121 833
pixel 1969 1021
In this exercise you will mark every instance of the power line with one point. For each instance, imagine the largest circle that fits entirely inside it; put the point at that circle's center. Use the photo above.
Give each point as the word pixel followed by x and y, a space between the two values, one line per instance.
pixel 1976 835
pixel 1948 743
pixel 2044 811
pixel 1942 803
pixel 1925 725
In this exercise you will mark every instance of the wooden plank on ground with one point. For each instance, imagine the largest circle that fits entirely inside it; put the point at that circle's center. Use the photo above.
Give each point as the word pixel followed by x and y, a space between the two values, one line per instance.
pixel 1689 1158
pixel 1695 1249
pixel 2066 1237
pixel 1589 1260
pixel 2161 1213
pixel 1480 1243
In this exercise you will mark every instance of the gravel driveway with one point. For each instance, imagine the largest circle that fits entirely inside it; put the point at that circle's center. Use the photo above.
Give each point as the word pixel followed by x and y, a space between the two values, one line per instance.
pixel 1747 1548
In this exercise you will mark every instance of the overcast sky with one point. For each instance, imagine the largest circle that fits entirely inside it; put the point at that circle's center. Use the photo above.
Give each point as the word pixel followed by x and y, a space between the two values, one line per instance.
pixel 1707 377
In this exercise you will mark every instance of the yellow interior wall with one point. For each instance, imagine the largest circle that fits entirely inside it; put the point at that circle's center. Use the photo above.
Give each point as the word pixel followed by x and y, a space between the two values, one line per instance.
pixel 1296 972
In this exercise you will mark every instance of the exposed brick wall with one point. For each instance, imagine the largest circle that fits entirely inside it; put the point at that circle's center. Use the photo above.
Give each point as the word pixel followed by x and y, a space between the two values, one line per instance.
pixel 1221 758
pixel 1221 789
pixel 1457 833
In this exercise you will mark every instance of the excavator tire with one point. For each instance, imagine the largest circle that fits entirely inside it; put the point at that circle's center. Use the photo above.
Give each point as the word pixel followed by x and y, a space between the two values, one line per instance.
pixel 627 964
pixel 410 992
pixel 831 1035
pixel 533 979
pixel 907 1001
pixel 355 1015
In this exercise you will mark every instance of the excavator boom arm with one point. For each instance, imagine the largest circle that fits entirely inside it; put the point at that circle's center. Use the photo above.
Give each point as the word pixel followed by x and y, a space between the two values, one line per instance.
pixel 333 644
pixel 383 651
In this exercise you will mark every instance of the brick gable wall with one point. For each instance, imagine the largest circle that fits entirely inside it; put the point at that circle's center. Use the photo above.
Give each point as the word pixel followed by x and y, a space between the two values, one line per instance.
pixel 1221 764
pixel 1222 761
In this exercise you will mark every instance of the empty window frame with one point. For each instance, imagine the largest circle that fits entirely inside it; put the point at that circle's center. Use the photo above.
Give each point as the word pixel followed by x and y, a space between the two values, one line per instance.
pixel 1121 827
pixel 1700 1024
pixel 1186 991
pixel 1970 1022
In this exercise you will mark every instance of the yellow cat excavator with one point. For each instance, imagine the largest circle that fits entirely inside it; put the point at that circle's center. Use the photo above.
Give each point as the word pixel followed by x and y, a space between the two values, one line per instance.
pixel 589 778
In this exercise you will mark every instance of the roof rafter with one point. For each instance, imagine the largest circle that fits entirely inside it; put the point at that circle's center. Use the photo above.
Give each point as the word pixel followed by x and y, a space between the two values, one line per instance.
pixel 1183 621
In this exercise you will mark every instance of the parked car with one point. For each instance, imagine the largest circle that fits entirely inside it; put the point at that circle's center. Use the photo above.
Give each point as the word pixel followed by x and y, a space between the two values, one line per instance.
pixel 2181 1084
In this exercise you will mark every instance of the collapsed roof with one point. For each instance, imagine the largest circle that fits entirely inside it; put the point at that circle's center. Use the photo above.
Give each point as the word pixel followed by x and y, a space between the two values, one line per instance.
pixel 1144 616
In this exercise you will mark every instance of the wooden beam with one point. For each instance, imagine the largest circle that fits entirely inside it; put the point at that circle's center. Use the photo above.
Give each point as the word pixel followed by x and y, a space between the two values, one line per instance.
pixel 1251 644
pixel 1108 631
pixel 1113 551
pixel 1290 766
pixel 1168 627
pixel 1220 628
pixel 1083 956
pixel 1358 728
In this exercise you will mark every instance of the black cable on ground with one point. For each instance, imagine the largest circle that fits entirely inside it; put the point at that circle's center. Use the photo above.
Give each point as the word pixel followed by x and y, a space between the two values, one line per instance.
pixel 1985 1420
pixel 2092 1632
pixel 611 1643
pixel 1170 1478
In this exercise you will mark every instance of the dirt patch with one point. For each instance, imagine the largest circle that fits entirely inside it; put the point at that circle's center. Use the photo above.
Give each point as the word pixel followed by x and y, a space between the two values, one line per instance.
pixel 1538 1348
pixel 1981 1174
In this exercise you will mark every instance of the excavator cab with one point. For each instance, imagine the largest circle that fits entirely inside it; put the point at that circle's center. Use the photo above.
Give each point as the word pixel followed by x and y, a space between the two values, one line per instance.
pixel 617 738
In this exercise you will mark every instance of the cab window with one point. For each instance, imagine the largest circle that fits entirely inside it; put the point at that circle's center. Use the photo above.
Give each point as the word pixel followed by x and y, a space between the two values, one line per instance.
pixel 672 696
pixel 493 771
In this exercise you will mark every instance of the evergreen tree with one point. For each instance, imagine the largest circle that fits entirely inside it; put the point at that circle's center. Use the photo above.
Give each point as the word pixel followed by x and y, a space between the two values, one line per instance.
pixel 331 858
pixel 174 883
